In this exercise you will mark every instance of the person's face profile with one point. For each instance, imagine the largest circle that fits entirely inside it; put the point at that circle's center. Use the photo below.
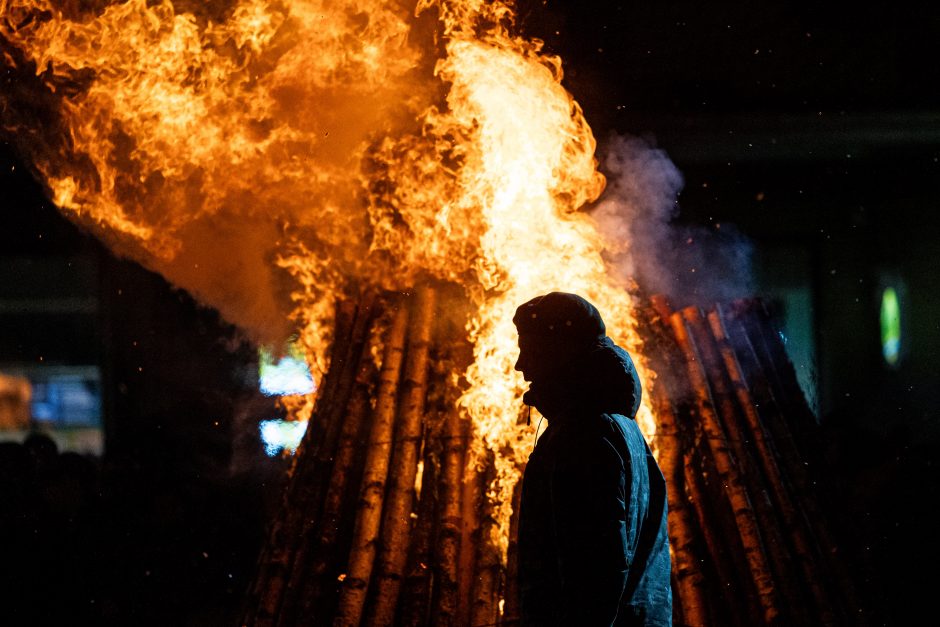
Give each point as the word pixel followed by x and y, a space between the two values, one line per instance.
pixel 539 360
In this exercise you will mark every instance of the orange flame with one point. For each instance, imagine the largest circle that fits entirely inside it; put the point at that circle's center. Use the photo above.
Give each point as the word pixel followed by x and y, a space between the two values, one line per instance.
pixel 310 136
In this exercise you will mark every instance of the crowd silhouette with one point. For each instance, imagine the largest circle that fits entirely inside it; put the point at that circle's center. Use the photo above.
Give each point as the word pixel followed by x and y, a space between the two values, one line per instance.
pixel 109 541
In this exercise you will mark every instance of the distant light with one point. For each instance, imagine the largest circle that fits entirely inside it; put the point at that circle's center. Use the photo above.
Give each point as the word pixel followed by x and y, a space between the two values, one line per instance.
pixel 890 326
pixel 281 435
pixel 290 375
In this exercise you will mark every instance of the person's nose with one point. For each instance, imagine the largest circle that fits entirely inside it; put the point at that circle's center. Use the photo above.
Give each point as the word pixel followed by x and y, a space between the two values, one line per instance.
pixel 518 365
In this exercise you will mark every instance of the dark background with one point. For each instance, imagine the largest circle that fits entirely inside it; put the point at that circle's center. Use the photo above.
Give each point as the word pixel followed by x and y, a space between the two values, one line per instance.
pixel 812 128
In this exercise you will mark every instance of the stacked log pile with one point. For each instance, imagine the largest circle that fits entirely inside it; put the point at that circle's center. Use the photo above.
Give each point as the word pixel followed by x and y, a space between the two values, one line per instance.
pixel 385 519
pixel 737 442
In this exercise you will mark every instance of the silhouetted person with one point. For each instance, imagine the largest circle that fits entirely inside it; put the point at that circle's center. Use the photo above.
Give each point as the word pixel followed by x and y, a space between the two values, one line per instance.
pixel 593 548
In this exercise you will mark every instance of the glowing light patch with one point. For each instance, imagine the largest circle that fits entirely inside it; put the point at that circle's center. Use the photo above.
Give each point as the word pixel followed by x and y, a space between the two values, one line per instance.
pixel 290 375
pixel 281 435
pixel 890 326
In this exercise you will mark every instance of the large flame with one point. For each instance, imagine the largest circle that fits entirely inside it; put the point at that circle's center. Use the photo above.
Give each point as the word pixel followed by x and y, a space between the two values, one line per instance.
pixel 317 133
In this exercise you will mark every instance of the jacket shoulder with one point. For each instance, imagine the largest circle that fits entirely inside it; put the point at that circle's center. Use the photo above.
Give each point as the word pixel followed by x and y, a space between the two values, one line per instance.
pixel 596 439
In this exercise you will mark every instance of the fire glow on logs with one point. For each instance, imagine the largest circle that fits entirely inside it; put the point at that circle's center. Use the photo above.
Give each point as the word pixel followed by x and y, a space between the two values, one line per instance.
pixel 369 147
pixel 391 181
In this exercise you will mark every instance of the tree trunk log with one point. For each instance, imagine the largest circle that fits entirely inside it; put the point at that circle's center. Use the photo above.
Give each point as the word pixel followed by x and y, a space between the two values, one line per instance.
pixel 689 577
pixel 471 506
pixel 369 516
pixel 735 490
pixel 798 468
pixel 276 559
pixel 451 522
pixel 806 557
pixel 720 555
pixel 319 578
pixel 416 588
pixel 347 364
pixel 793 607
pixel 512 611
pixel 397 516
pixel 488 570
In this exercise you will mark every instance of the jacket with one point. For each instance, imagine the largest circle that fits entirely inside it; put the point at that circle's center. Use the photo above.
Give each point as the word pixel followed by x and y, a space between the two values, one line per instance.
pixel 593 543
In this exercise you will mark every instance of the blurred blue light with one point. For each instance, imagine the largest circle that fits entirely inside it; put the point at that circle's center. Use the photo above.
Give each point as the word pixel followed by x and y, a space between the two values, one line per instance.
pixel 290 375
pixel 280 435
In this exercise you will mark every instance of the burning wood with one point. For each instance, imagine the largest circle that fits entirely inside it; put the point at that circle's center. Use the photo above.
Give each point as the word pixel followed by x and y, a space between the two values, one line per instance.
pixel 415 555
pixel 373 548
pixel 158 129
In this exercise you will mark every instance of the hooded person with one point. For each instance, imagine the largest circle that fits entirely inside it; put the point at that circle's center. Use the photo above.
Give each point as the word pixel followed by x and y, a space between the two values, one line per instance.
pixel 593 545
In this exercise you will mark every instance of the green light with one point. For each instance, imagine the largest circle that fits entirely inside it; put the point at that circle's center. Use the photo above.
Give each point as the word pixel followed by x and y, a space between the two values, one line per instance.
pixel 890 326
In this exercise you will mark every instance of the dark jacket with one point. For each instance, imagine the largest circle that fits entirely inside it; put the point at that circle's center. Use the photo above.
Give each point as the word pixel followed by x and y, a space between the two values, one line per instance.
pixel 593 547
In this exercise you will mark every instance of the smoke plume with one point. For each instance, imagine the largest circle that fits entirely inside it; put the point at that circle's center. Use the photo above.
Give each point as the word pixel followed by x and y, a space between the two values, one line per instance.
pixel 638 214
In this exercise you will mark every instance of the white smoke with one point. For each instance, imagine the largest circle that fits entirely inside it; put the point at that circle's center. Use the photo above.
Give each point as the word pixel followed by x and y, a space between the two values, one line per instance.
pixel 638 215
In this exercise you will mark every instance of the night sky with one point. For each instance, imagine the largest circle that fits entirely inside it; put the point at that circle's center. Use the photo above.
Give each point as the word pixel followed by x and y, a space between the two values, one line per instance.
pixel 737 56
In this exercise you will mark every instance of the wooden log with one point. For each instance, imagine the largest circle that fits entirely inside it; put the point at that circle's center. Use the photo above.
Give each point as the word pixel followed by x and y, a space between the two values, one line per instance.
pixel 730 590
pixel 318 579
pixel 397 515
pixel 796 467
pixel 805 424
pixel 347 364
pixel 785 372
pixel 793 605
pixel 806 556
pixel 512 612
pixel 690 580
pixel 765 402
pixel 700 559
pixel 450 535
pixel 792 403
pixel 736 493
pixel 369 515
pixel 436 539
pixel 416 588
pixel 473 493
pixel 662 308
pixel 487 577
pixel 275 561
pixel 720 555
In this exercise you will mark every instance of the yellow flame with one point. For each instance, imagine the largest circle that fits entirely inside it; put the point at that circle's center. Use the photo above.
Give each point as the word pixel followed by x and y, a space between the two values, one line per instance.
pixel 247 119
pixel 321 122
pixel 528 166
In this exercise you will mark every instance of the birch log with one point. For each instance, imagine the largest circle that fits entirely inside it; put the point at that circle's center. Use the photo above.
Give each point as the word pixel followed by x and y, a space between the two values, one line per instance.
pixel 735 491
pixel 345 365
pixel 798 468
pixel 793 608
pixel 682 528
pixel 449 536
pixel 488 568
pixel 397 515
pixel 319 577
pixel 369 514
pixel 471 507
pixel 415 602
pixel 805 554
pixel 512 612
pixel 276 559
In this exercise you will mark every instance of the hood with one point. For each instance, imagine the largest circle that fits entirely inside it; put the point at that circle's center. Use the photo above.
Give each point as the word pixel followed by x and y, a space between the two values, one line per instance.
pixel 602 380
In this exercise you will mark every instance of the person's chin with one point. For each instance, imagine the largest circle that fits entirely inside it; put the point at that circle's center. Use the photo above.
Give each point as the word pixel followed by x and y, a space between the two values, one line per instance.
pixel 529 397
